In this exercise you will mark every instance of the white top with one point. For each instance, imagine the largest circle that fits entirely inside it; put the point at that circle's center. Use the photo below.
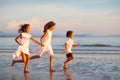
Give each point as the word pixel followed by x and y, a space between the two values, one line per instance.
pixel 25 39
pixel 70 43
pixel 47 39
pixel 24 48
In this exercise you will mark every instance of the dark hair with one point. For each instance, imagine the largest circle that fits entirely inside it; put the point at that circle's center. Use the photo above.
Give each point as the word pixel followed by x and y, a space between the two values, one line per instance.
pixel 23 28
pixel 69 33
pixel 48 25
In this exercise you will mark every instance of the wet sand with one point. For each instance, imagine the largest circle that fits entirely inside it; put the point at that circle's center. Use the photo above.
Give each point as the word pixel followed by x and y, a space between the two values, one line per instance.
pixel 83 67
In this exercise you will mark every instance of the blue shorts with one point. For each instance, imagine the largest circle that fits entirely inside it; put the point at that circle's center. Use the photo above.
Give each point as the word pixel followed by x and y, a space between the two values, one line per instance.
pixel 69 55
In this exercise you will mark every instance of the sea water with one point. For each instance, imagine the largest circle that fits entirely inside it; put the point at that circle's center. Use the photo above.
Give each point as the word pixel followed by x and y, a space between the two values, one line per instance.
pixel 88 45
pixel 97 58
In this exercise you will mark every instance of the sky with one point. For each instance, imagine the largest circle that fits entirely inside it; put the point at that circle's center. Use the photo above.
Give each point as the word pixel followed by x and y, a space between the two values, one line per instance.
pixel 97 17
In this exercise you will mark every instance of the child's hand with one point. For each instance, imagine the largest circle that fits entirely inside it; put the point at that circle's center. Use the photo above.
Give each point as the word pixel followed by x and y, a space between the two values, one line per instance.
pixel 77 44
pixel 42 45
pixel 20 43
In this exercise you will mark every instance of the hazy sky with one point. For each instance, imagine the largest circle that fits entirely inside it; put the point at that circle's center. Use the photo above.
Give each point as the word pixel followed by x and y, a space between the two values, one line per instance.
pixel 99 17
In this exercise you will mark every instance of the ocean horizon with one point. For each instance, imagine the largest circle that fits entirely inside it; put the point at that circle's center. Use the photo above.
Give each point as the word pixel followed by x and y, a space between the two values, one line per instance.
pixel 88 44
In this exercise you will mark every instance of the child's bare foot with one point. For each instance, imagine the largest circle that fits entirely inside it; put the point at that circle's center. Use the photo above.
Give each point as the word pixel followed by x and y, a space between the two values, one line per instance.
pixel 53 70
pixel 13 62
pixel 26 71
pixel 65 67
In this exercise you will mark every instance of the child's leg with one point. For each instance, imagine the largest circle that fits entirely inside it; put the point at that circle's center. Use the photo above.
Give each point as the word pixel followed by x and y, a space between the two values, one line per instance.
pixel 27 62
pixel 34 56
pixel 51 64
pixel 67 61
pixel 72 57
pixel 21 60
pixel 24 60
pixel 16 61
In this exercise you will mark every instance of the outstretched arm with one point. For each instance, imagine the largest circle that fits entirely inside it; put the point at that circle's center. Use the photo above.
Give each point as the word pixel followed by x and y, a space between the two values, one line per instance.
pixel 44 35
pixel 76 44
pixel 34 40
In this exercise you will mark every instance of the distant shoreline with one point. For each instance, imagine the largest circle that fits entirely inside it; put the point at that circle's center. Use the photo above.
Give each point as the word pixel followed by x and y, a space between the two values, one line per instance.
pixel 64 36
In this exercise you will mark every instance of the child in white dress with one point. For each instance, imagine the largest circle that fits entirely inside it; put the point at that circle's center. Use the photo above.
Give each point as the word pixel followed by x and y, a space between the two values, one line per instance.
pixel 68 46
pixel 46 41
pixel 23 49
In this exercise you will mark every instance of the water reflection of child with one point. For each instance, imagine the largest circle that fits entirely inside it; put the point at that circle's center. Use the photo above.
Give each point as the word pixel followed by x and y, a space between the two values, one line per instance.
pixel 68 75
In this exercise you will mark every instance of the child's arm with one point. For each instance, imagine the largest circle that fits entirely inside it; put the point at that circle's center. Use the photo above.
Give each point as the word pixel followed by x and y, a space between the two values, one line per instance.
pixel 34 40
pixel 16 39
pixel 66 48
pixel 76 44
pixel 44 35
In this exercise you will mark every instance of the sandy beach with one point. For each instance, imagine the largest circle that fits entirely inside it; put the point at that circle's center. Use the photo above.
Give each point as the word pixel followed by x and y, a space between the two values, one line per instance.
pixel 83 67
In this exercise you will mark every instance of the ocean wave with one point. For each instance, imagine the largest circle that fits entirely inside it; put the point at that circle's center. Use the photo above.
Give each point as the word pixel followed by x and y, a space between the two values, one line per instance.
pixel 102 45
pixel 93 45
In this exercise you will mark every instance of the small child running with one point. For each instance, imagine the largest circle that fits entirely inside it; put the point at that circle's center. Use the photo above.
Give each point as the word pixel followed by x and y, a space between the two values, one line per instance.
pixel 68 46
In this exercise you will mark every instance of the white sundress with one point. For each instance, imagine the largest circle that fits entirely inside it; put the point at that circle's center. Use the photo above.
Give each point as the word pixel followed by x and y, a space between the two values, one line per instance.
pixel 24 48
pixel 47 48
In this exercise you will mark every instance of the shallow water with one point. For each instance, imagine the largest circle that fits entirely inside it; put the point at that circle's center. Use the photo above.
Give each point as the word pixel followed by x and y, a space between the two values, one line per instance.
pixel 83 67
pixel 98 58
